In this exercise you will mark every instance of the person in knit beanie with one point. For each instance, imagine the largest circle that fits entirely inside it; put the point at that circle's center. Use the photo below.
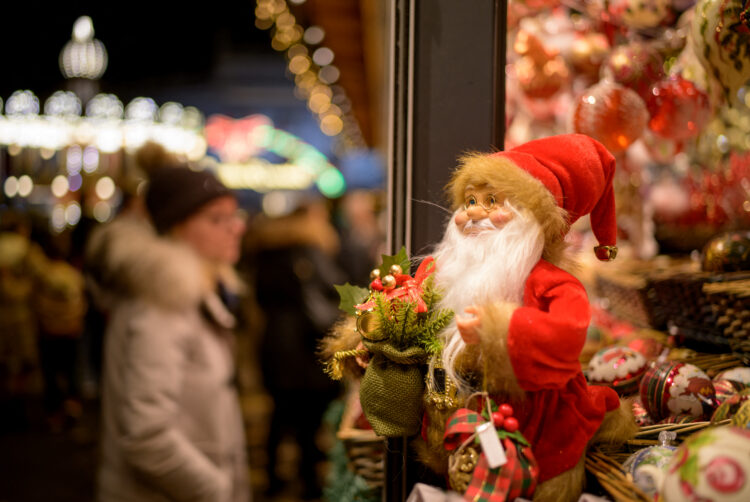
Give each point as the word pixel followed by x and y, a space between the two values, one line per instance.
pixel 521 319
pixel 172 426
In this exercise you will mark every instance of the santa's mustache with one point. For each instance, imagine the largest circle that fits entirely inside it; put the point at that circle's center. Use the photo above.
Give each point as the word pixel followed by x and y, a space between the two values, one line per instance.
pixel 479 225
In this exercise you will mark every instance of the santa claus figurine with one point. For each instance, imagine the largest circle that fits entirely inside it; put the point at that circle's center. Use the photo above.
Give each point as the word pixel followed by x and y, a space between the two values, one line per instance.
pixel 521 318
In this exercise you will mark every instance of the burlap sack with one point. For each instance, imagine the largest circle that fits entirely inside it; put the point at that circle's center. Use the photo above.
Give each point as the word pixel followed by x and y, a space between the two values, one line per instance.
pixel 392 388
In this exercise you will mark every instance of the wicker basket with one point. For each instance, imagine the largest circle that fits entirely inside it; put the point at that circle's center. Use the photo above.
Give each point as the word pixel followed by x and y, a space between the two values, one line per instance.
pixel 630 289
pixel 712 309
pixel 364 449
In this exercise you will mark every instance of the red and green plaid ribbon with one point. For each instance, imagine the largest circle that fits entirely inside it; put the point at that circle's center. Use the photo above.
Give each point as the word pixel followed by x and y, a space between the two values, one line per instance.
pixel 516 478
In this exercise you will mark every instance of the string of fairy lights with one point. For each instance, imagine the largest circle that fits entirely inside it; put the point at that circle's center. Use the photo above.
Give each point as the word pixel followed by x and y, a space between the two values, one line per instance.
pixel 310 63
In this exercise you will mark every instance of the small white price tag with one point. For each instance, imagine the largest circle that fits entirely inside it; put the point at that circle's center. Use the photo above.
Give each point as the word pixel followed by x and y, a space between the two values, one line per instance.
pixel 491 445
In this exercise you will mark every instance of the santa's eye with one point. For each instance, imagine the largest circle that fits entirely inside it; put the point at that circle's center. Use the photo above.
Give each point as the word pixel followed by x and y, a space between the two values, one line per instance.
pixel 490 201
pixel 471 201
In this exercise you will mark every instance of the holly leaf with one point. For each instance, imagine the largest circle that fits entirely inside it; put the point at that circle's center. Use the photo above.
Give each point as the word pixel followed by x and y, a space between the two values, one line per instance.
pixel 350 296
pixel 517 436
pixel 400 259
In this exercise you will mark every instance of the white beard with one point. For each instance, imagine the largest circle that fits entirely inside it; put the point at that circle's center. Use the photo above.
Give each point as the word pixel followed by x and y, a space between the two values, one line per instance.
pixel 483 268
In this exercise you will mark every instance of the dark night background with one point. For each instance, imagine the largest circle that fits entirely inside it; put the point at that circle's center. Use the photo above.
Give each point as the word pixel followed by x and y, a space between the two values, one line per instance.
pixel 150 44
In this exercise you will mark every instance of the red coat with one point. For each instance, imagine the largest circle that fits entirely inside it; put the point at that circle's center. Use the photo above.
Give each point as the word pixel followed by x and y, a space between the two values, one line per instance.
pixel 546 334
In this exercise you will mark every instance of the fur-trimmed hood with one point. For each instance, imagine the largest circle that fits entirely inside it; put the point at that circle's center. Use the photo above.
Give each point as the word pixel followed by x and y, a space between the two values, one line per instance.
pixel 127 258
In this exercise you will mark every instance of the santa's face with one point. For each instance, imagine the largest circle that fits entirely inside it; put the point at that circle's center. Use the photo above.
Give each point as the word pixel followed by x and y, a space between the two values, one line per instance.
pixel 481 202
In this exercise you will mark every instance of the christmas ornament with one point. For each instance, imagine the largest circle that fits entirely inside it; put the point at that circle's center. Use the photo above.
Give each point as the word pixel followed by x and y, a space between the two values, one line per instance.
pixel 640 414
pixel 675 388
pixel 612 114
pixel 541 72
pixel 470 471
pixel 649 465
pixel 682 418
pixel 728 252
pixel 649 348
pixel 588 52
pixel 724 390
pixel 618 367
pixel 661 150
pixel 721 33
pixel 636 66
pixel 640 14
pixel 742 417
pixel 739 376
pixel 713 464
pixel 388 282
pixel 678 109
pixel 731 403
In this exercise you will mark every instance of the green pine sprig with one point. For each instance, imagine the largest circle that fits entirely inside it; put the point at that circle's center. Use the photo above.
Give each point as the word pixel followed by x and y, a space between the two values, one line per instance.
pixel 403 327
pixel 397 320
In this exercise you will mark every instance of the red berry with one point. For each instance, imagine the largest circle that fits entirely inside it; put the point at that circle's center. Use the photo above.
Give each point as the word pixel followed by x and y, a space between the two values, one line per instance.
pixel 497 418
pixel 510 424
pixel 506 410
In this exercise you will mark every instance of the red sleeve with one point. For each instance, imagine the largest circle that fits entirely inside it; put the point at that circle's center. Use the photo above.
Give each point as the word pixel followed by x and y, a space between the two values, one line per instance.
pixel 547 334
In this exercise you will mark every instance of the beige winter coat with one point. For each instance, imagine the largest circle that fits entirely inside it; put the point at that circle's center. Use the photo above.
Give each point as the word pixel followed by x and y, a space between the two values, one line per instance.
pixel 171 422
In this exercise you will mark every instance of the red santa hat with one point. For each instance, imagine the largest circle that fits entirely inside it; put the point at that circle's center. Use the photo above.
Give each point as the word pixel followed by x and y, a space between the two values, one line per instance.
pixel 559 179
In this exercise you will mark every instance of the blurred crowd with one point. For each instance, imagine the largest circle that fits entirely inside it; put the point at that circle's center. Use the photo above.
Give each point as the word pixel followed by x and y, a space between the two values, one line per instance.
pixel 183 334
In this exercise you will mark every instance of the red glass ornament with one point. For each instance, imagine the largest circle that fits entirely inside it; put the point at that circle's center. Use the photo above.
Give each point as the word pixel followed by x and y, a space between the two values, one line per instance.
pixel 612 114
pixel 679 110
pixel 636 66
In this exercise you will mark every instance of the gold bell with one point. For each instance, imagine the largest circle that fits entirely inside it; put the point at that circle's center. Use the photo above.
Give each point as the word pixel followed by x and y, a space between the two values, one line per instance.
pixel 396 269
pixel 374 274
pixel 389 282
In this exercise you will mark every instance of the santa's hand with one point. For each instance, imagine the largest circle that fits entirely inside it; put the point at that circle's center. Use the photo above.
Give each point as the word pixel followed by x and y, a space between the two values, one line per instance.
pixel 468 327
pixel 363 360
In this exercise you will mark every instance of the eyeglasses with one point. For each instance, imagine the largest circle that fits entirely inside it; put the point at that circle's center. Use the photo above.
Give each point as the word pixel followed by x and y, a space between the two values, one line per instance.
pixel 490 202
pixel 226 220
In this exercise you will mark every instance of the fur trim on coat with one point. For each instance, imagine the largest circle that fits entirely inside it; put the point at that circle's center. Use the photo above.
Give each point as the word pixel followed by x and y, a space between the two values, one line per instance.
pixel 126 258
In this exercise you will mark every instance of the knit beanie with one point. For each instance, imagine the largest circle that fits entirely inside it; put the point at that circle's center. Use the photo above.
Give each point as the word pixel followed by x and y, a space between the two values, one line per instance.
pixel 175 193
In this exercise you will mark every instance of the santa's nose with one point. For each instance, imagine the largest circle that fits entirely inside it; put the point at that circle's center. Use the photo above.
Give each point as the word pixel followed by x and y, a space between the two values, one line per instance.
pixel 476 212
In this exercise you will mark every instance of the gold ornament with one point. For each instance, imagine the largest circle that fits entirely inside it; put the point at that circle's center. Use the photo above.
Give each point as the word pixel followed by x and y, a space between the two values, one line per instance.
pixel 588 52
pixel 367 326
pixel 461 465
pixel 389 282
pixel 541 72
pixel 396 269
pixel 374 274
pixel 441 391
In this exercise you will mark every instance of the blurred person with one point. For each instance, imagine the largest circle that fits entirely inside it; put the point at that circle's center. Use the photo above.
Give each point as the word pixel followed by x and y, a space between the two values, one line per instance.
pixel 20 263
pixel 60 306
pixel 171 421
pixel 294 270
pixel 362 239
pixel 132 210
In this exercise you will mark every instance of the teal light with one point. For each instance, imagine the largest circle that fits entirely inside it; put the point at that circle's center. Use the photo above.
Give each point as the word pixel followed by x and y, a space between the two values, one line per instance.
pixel 331 183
